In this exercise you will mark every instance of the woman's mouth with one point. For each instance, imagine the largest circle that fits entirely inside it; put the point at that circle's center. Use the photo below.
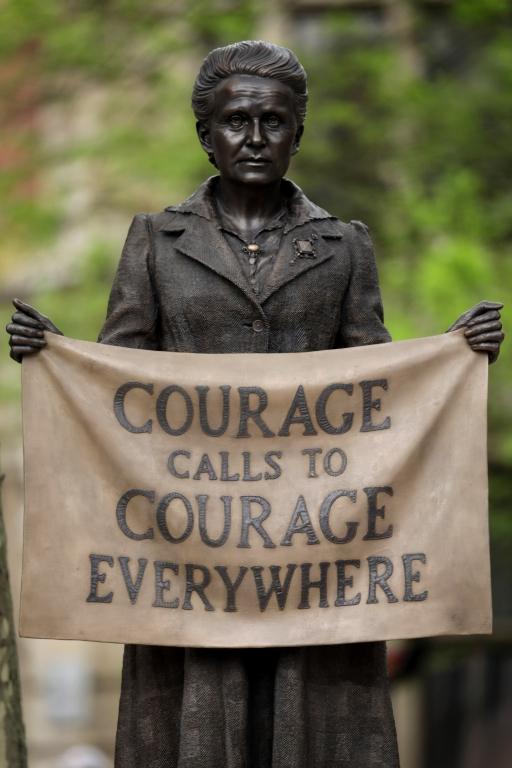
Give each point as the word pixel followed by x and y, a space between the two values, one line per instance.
pixel 255 161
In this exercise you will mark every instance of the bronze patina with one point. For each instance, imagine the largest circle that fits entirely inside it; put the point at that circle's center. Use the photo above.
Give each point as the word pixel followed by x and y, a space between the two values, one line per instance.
pixel 249 264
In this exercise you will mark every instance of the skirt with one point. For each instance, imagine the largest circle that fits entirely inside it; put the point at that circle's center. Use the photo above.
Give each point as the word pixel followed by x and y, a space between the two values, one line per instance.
pixel 303 707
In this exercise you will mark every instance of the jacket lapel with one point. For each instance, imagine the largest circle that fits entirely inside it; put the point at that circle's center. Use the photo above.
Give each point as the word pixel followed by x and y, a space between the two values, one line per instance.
pixel 294 260
pixel 202 241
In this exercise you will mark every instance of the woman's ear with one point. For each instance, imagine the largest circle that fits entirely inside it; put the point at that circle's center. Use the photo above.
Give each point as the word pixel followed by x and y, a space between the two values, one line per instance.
pixel 203 133
pixel 298 137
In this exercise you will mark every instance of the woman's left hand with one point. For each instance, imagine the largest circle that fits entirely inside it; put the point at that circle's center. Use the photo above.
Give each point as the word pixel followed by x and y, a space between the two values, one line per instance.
pixel 483 328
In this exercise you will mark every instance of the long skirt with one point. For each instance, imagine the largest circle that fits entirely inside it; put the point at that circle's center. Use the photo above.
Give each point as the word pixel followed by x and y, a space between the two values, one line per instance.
pixel 314 707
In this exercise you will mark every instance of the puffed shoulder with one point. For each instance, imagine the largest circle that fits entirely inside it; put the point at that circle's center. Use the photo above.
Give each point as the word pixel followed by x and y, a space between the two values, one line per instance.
pixel 141 227
pixel 138 230
pixel 354 231
pixel 358 233
pixel 360 225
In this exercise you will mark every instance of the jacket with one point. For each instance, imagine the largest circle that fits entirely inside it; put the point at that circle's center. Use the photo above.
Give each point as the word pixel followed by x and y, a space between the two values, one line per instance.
pixel 179 288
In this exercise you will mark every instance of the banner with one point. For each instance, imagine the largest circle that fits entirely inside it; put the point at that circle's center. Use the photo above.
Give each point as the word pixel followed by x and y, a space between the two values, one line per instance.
pixel 255 499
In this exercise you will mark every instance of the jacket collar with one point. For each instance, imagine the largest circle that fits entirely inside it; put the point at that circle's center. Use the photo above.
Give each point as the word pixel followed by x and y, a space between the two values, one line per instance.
pixel 300 209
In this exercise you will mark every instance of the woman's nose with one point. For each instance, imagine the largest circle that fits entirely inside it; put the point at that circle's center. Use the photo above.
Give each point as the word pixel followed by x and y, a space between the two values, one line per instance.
pixel 256 138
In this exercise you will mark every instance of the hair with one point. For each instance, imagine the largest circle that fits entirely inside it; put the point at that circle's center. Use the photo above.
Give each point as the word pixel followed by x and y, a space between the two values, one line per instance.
pixel 249 57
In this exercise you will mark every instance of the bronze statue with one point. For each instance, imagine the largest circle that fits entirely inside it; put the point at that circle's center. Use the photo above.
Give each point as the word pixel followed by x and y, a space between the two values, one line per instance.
pixel 249 264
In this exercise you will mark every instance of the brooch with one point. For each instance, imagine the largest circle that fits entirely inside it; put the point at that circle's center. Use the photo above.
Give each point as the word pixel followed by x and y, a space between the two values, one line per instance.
pixel 304 249
pixel 253 250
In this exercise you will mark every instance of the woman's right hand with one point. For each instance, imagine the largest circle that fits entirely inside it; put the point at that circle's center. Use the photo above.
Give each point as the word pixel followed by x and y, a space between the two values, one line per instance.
pixel 26 330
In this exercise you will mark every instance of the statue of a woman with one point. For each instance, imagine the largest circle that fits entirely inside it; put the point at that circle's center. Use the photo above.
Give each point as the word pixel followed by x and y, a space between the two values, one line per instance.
pixel 249 264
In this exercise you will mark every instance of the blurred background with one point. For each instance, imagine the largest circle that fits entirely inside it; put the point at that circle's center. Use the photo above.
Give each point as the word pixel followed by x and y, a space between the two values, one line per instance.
pixel 409 130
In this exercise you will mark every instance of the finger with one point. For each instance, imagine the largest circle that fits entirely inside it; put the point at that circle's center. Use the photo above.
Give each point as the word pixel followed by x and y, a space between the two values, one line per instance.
pixel 42 321
pixel 25 341
pixel 24 319
pixel 24 330
pixel 475 330
pixel 486 317
pixel 492 350
pixel 486 347
pixel 494 336
pixel 33 317
pixel 17 353
pixel 490 305
pixel 29 310
pixel 484 306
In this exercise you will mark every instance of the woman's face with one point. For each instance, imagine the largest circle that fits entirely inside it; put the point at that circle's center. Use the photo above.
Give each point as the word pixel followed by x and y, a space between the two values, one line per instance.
pixel 253 129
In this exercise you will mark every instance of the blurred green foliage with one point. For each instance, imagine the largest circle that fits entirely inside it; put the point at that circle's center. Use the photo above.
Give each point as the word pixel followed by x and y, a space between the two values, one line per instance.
pixel 409 129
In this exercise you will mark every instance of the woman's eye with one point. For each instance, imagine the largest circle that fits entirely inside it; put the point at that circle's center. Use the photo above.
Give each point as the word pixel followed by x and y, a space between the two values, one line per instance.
pixel 236 121
pixel 272 121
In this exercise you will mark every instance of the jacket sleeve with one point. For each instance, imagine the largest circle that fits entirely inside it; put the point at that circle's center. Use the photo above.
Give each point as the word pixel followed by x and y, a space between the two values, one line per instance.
pixel 132 314
pixel 362 316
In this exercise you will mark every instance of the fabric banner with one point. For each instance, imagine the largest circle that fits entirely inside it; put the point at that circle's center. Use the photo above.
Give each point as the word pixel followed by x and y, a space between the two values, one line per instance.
pixel 256 499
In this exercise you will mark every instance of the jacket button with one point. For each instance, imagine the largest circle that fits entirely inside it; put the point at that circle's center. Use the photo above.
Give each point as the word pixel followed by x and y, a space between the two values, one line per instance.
pixel 258 326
